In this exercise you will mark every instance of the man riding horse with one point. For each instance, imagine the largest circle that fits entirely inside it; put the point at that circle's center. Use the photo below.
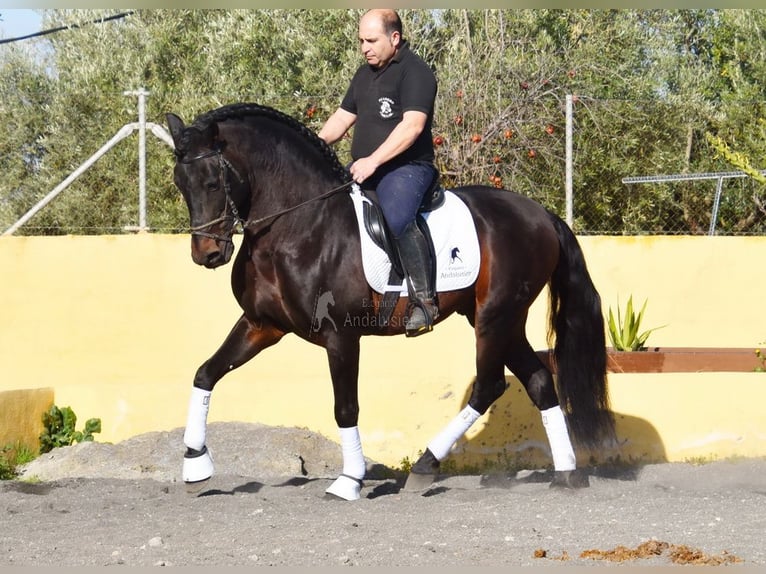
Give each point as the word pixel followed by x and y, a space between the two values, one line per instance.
pixel 391 102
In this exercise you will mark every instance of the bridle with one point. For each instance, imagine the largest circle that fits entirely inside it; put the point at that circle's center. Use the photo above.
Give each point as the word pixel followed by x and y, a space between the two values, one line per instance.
pixel 224 166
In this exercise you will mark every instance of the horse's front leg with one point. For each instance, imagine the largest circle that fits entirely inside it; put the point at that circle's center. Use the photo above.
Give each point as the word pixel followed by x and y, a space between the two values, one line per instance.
pixel 343 356
pixel 245 340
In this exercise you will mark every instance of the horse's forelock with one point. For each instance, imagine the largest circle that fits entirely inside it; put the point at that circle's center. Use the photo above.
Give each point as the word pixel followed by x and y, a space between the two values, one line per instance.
pixel 187 141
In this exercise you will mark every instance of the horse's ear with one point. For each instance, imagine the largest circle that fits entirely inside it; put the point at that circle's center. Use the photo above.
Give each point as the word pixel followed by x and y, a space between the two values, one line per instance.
pixel 176 126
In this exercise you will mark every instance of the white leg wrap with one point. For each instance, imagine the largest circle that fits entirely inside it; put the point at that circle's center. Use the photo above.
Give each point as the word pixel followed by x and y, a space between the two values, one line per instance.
pixel 443 442
pixel 196 419
pixel 353 458
pixel 348 485
pixel 558 437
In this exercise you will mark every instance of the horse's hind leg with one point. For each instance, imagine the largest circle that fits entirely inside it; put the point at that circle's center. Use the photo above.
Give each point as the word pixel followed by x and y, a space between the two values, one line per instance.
pixel 493 354
pixel 487 388
pixel 538 382
pixel 243 342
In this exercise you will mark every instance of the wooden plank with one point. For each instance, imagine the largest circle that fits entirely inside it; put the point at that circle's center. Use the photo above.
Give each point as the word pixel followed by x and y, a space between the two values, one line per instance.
pixel 677 360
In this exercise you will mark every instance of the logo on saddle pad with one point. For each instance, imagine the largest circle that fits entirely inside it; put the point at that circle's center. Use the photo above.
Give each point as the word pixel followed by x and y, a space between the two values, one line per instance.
pixel 456 246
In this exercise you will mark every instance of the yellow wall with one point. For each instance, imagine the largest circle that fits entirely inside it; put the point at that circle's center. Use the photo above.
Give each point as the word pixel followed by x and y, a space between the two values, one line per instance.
pixel 117 326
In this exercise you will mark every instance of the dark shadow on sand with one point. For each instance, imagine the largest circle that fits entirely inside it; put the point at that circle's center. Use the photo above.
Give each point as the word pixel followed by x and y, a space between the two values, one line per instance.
pixel 251 487
pixel 514 431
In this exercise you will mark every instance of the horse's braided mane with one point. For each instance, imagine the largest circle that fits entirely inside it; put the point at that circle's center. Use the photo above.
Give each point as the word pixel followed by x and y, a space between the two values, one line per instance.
pixel 241 110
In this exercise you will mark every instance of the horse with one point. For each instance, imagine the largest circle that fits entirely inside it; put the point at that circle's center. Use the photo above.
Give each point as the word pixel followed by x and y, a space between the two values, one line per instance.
pixel 251 169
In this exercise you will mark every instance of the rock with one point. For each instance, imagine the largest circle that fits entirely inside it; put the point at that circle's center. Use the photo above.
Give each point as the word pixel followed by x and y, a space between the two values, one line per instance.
pixel 243 449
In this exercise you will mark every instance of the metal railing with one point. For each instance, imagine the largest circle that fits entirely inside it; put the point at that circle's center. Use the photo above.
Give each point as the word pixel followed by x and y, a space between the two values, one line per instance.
pixel 718 176
pixel 126 130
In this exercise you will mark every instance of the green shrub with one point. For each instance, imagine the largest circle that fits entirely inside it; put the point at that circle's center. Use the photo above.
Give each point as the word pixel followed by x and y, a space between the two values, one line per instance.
pixel 60 429
pixel 11 456
pixel 624 331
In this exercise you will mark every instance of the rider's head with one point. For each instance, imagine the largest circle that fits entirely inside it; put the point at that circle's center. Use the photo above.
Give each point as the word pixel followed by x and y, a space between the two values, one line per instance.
pixel 380 36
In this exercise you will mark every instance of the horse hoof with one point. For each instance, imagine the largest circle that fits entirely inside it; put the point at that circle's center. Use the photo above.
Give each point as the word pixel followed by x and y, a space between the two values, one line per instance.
pixel 198 466
pixel 418 482
pixel 570 479
pixel 345 487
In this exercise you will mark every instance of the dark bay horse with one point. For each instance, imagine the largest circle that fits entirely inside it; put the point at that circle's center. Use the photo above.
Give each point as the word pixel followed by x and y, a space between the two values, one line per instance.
pixel 252 168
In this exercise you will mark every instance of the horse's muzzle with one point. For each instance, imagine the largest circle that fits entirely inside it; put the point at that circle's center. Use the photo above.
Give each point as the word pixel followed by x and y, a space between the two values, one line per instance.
pixel 211 253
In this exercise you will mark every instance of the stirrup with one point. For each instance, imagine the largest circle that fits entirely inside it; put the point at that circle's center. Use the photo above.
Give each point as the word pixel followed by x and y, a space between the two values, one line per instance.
pixel 425 318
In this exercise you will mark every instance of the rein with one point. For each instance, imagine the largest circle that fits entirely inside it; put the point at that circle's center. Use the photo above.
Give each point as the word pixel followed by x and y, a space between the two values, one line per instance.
pixel 225 165
pixel 325 195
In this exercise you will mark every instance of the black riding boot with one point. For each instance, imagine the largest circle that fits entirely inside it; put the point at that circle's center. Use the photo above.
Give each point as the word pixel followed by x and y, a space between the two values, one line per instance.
pixel 415 255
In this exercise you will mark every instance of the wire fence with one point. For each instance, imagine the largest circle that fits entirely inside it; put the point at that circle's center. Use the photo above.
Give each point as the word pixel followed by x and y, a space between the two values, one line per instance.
pixel 636 169
pixel 714 203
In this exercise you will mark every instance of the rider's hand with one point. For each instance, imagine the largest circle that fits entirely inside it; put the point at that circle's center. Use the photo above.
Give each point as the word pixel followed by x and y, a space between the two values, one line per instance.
pixel 362 169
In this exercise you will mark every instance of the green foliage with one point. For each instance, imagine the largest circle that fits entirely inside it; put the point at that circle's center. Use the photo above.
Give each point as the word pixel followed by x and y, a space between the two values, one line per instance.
pixel 649 86
pixel 624 331
pixel 60 429
pixel 735 158
pixel 761 357
pixel 12 456
pixel 7 468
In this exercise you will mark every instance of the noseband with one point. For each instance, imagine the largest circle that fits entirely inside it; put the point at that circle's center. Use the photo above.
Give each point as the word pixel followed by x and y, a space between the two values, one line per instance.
pixel 224 166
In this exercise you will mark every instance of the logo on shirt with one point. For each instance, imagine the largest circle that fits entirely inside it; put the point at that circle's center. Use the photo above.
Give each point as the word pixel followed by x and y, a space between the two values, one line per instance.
pixel 386 108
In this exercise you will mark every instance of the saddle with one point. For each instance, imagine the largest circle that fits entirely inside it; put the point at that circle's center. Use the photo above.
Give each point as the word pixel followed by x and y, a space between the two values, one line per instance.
pixel 375 225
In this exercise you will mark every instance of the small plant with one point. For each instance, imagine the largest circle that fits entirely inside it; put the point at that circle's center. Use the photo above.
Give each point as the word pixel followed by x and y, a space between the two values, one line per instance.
pixel 405 466
pixel 12 456
pixel 761 357
pixel 60 429
pixel 7 468
pixel 700 460
pixel 624 331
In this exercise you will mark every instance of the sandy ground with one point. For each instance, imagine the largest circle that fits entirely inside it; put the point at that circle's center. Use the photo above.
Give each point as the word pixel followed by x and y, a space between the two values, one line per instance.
pixel 100 504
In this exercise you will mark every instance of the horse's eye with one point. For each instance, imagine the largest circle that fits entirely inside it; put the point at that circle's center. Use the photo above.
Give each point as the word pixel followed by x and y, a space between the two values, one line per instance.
pixel 212 185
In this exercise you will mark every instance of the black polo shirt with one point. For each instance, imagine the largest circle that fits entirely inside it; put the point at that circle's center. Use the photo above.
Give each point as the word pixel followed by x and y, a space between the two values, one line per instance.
pixel 379 99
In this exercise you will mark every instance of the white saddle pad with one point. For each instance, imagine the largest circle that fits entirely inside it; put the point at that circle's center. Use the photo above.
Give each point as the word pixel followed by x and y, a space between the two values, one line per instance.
pixel 455 243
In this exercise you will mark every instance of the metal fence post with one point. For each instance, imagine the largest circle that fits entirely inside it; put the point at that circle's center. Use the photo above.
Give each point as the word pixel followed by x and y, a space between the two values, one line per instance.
pixel 142 93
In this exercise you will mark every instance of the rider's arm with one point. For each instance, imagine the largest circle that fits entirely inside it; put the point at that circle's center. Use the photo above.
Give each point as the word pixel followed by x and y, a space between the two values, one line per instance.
pixel 400 139
pixel 337 125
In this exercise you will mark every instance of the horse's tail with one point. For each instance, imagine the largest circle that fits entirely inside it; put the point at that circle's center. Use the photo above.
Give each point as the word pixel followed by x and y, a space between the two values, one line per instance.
pixel 580 349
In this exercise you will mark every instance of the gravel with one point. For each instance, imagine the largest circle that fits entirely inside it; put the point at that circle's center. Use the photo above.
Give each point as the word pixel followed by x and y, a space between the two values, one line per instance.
pixel 101 504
